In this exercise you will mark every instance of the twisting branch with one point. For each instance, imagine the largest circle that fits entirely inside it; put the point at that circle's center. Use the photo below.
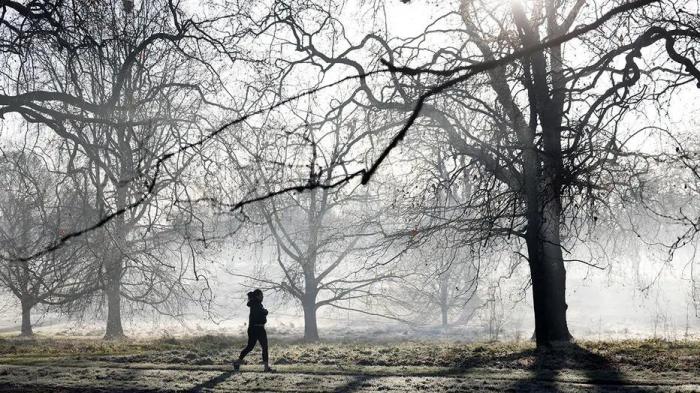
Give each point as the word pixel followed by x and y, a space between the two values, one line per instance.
pixel 366 174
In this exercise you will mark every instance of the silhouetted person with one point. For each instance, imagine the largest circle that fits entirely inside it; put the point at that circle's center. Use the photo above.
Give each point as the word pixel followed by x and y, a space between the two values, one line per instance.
pixel 256 329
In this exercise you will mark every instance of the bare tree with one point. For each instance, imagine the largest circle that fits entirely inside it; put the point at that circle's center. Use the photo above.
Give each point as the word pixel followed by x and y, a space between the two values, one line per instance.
pixel 440 284
pixel 533 101
pixel 328 240
pixel 35 208
pixel 513 94
pixel 125 87
pixel 443 266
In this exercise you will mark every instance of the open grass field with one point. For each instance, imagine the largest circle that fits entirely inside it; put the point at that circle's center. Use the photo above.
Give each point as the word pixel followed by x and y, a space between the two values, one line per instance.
pixel 203 364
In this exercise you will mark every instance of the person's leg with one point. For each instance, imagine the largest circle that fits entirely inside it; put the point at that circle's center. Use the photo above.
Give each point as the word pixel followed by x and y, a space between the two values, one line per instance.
pixel 252 338
pixel 251 344
pixel 262 338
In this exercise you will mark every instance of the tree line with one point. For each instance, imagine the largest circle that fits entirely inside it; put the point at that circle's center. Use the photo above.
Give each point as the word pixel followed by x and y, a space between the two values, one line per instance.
pixel 142 133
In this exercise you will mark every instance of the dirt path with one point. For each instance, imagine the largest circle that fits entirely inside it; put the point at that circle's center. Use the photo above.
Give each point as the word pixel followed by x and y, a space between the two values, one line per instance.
pixel 65 375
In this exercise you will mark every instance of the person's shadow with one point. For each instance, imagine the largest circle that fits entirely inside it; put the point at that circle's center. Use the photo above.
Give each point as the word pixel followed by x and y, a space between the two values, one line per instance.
pixel 212 383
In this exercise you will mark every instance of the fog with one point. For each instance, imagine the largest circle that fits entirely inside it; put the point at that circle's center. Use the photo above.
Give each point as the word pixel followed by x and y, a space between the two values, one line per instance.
pixel 603 305
pixel 381 170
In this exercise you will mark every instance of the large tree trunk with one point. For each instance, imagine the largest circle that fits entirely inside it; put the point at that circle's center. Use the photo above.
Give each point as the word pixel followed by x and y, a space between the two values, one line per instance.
pixel 543 169
pixel 315 215
pixel 114 268
pixel 548 276
pixel 26 330
pixel 114 329
pixel 310 325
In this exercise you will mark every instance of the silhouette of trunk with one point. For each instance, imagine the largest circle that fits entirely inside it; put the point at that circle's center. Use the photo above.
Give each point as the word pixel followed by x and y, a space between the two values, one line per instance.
pixel 548 292
pixel 114 269
pixel 310 325
pixel 114 320
pixel 315 215
pixel 547 268
pixel 543 171
pixel 26 330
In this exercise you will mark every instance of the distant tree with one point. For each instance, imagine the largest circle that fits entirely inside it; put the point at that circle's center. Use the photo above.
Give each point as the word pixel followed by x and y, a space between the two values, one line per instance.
pixel 36 207
pixel 443 266
pixel 125 86
pixel 672 203
pixel 329 245
pixel 440 284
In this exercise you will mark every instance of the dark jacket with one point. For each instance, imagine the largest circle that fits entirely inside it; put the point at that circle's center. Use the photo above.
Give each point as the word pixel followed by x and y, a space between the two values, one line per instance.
pixel 258 314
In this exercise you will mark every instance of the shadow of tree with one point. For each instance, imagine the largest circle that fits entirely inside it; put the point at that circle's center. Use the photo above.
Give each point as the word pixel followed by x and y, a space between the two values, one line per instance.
pixel 355 384
pixel 570 367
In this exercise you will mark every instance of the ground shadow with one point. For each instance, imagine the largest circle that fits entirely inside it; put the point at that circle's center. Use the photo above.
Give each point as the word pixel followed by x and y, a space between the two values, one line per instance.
pixel 570 367
pixel 212 383
pixel 355 384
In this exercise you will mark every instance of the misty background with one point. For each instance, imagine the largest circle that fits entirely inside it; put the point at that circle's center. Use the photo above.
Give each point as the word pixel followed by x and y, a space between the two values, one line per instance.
pixel 397 258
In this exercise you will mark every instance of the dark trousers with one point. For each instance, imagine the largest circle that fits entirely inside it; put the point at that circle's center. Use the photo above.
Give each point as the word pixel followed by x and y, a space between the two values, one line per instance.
pixel 256 333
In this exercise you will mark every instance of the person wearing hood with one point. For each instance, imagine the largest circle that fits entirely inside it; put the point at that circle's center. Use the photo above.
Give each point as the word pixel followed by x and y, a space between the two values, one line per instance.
pixel 256 329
